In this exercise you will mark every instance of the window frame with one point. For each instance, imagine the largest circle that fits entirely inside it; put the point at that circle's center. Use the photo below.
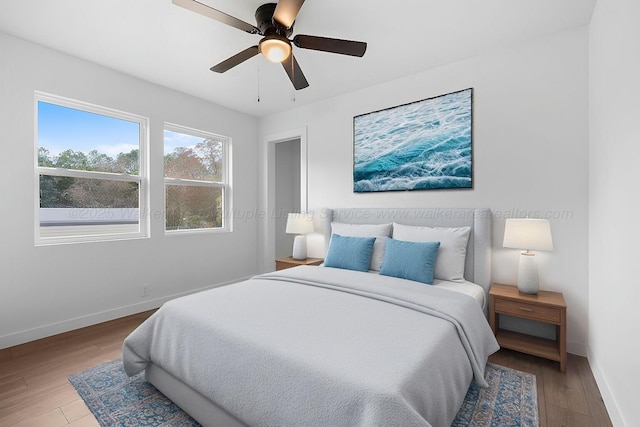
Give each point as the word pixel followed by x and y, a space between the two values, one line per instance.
pixel 224 185
pixel 142 179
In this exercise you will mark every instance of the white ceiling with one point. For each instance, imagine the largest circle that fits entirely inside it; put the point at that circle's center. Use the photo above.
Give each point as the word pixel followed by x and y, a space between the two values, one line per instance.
pixel 174 47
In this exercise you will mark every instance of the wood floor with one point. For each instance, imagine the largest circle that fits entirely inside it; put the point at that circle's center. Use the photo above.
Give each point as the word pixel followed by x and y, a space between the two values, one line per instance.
pixel 34 390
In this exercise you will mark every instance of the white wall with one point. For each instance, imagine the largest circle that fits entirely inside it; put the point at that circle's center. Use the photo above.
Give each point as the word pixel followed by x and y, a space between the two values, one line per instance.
pixel 530 139
pixel 45 290
pixel 614 291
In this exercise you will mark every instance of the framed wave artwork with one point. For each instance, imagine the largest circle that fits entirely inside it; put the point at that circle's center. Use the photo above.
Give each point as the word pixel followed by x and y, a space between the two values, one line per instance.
pixel 422 145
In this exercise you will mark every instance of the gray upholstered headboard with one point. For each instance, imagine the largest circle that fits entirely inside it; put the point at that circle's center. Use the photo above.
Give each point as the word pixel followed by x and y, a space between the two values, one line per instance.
pixel 478 262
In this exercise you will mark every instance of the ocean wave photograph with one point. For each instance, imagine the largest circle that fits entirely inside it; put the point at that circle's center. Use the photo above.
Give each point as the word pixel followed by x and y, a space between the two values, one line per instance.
pixel 422 145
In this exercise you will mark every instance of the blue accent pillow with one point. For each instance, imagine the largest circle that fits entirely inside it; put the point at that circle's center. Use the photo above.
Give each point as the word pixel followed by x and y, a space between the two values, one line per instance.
pixel 350 253
pixel 410 260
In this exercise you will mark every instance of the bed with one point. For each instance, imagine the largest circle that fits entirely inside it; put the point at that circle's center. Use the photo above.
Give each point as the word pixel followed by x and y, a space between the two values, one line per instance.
pixel 320 346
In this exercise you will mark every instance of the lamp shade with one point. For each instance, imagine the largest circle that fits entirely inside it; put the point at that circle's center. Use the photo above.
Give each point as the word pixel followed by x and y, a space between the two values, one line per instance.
pixel 298 223
pixel 528 233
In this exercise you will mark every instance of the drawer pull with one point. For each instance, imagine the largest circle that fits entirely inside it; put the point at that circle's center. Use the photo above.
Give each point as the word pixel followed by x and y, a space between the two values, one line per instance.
pixel 525 309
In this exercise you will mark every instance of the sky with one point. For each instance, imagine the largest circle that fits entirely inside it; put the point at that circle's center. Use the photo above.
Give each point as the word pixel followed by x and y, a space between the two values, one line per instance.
pixel 174 140
pixel 61 128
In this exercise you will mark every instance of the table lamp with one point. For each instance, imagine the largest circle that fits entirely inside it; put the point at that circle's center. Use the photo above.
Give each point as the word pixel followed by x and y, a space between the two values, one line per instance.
pixel 300 224
pixel 529 234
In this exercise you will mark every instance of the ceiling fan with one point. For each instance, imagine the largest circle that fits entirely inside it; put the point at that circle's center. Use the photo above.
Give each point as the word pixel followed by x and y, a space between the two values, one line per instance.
pixel 275 24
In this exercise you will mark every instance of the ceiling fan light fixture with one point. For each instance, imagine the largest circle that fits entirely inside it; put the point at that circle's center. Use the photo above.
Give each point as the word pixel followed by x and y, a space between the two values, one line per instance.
pixel 275 48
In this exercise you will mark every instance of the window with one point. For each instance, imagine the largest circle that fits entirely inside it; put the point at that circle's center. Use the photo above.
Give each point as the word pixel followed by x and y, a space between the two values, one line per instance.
pixel 196 179
pixel 91 180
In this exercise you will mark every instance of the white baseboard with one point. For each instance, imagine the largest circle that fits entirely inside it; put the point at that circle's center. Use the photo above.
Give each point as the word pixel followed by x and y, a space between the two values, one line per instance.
pixel 605 392
pixel 44 331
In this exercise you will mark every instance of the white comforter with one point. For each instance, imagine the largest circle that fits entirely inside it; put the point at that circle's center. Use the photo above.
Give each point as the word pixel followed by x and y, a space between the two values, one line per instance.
pixel 319 346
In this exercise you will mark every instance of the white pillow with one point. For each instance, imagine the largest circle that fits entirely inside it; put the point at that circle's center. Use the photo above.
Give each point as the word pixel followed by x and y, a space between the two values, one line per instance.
pixel 453 247
pixel 380 231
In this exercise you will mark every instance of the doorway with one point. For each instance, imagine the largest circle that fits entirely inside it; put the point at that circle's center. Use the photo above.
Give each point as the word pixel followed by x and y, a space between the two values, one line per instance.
pixel 287 193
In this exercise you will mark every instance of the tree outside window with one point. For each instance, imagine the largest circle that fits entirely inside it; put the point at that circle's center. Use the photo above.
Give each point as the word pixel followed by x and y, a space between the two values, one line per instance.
pixel 195 179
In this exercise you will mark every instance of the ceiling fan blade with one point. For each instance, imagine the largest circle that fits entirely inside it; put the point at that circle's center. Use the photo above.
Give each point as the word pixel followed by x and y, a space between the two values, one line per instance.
pixel 212 13
pixel 295 73
pixel 236 59
pixel 286 11
pixel 326 44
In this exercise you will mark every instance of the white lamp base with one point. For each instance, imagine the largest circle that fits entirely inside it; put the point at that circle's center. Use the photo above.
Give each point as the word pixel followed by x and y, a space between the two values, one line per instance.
pixel 300 247
pixel 528 276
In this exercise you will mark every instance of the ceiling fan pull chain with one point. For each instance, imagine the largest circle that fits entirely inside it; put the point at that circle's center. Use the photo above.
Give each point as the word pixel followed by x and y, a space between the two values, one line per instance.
pixel 258 83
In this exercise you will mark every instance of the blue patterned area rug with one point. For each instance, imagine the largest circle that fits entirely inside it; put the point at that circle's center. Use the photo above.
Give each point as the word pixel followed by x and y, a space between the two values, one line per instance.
pixel 510 400
pixel 116 400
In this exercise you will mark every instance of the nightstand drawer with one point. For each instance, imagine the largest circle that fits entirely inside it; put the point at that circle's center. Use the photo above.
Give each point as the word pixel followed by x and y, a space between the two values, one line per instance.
pixel 531 311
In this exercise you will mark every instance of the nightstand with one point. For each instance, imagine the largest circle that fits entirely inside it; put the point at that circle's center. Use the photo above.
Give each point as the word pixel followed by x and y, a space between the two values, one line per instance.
pixel 289 262
pixel 546 307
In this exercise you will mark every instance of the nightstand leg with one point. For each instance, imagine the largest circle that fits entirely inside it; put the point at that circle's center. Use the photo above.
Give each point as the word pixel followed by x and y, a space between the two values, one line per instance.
pixel 493 317
pixel 561 332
